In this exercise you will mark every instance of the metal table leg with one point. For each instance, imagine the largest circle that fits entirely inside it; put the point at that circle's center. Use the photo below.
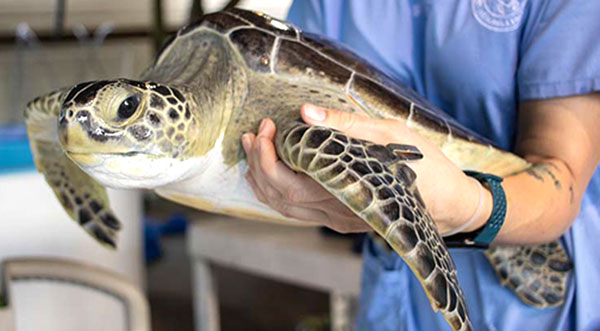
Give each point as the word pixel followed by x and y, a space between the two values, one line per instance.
pixel 342 310
pixel 206 301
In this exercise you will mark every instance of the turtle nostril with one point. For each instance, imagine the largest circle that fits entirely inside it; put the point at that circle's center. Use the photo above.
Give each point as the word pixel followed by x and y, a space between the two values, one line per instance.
pixel 62 120
pixel 82 115
pixel 83 118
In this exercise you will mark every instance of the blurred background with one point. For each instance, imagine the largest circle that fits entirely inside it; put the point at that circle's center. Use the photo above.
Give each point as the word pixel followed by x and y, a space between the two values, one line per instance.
pixel 195 271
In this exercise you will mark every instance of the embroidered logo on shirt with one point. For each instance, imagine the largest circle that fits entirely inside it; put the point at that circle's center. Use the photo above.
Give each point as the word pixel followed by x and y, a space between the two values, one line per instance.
pixel 498 15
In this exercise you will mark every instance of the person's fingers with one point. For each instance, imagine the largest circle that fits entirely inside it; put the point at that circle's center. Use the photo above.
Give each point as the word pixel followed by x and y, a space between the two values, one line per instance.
pixel 271 173
pixel 350 123
pixel 247 141
pixel 266 189
pixel 324 202
pixel 355 125
pixel 295 187
pixel 339 120
pixel 287 210
pixel 310 215
pixel 275 180
pixel 267 129
pixel 250 147
pixel 331 213
pixel 257 191
pixel 258 163
pixel 267 160
pixel 292 194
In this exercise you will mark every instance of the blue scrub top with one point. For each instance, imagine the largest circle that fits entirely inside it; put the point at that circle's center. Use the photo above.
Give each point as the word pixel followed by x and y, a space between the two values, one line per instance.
pixel 476 60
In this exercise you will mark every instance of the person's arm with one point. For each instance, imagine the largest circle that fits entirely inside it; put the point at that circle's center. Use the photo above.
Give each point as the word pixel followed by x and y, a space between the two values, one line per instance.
pixel 560 136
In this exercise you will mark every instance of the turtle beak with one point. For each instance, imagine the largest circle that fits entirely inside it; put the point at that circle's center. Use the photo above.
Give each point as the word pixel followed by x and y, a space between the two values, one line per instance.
pixel 86 160
pixel 80 133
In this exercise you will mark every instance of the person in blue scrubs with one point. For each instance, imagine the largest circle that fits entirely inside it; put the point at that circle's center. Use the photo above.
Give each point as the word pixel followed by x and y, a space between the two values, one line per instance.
pixel 524 74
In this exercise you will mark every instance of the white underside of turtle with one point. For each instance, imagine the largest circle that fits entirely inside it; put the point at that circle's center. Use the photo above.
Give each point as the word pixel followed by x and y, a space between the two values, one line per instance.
pixel 219 188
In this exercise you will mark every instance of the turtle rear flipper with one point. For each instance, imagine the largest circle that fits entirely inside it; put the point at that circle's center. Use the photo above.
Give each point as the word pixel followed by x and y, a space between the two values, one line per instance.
pixel 82 197
pixel 537 273
pixel 357 173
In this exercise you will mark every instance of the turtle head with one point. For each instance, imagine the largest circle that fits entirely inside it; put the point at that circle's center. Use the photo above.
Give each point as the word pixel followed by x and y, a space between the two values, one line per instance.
pixel 127 133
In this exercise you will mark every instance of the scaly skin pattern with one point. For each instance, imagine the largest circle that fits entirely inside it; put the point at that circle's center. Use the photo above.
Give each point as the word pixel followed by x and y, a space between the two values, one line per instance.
pixel 537 274
pixel 355 172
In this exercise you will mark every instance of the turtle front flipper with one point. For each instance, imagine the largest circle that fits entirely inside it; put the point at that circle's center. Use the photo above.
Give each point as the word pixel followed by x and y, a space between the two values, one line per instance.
pixel 82 197
pixel 537 273
pixel 360 174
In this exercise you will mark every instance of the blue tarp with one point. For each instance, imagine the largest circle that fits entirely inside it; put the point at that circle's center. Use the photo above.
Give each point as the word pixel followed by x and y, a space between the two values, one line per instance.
pixel 15 154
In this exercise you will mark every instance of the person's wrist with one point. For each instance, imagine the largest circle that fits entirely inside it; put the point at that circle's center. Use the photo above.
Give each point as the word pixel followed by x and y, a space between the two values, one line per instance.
pixel 473 207
pixel 481 229
pixel 482 210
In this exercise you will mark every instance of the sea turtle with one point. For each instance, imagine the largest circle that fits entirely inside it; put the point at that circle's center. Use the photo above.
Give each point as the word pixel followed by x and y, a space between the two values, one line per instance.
pixel 177 131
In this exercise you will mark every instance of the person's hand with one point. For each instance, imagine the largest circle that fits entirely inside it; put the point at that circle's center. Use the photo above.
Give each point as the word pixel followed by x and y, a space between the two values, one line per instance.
pixel 292 194
pixel 449 195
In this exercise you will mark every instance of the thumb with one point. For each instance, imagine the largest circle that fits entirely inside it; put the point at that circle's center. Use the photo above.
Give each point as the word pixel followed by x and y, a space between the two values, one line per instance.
pixel 347 122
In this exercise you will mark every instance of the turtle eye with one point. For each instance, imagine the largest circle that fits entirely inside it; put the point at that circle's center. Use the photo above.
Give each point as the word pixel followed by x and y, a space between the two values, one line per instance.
pixel 128 107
